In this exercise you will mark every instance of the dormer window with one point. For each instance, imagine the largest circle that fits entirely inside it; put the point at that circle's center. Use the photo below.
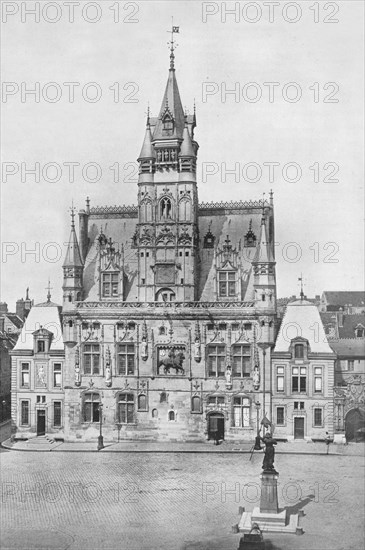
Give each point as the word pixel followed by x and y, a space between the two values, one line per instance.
pixel 299 351
pixel 110 285
pixel 41 346
pixel 360 332
pixel 227 284
pixel 167 125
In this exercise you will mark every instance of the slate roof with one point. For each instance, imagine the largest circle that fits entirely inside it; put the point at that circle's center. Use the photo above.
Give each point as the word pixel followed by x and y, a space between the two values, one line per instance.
pixel 15 319
pixel 349 348
pixel 342 298
pixel 299 319
pixel 46 315
pixel 349 321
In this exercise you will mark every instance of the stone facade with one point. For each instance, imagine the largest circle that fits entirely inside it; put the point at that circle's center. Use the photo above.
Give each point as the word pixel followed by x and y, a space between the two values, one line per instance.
pixel 168 304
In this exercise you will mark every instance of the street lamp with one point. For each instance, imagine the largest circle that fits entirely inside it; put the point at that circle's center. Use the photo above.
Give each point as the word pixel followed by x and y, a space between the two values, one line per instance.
pixel 100 438
pixel 264 347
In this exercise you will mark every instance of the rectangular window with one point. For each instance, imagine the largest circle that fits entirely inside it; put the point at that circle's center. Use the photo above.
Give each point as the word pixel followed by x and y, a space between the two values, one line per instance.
pixel 57 375
pixel 280 379
pixel 299 351
pixel 216 360
pixel 318 386
pixel 126 408
pixel 350 364
pixel 126 359
pixel 41 346
pixel 280 416
pixel 91 411
pixel 299 379
pixel 24 407
pixel 241 361
pixel 227 283
pixel 24 375
pixel 57 414
pixel 91 358
pixel 317 417
pixel 241 407
pixel 110 285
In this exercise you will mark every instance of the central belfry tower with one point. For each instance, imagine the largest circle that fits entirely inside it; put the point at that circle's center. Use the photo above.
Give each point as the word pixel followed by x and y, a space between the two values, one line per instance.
pixel 167 229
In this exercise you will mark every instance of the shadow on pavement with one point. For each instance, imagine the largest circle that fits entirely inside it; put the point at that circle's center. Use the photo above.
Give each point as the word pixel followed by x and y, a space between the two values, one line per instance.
pixel 299 505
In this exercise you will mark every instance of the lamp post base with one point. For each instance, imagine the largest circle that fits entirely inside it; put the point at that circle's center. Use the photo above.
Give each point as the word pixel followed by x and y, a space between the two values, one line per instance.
pixel 100 442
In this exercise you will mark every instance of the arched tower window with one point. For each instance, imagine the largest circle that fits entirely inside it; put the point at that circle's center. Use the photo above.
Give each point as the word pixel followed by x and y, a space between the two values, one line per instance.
pixel 165 209
pixel 185 210
pixel 146 211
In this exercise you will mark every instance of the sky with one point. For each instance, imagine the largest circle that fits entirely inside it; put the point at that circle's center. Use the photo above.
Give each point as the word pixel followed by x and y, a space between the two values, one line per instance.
pixel 293 123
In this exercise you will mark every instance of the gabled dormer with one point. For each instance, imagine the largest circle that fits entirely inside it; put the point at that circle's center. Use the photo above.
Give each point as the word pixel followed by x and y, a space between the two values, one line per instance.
pixel 42 339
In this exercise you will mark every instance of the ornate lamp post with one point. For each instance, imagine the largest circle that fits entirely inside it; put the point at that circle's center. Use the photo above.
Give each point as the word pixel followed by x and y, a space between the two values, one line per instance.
pixel 100 438
pixel 264 347
pixel 257 405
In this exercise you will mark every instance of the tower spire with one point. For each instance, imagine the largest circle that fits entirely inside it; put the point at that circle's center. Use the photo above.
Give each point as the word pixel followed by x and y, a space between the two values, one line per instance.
pixel 301 287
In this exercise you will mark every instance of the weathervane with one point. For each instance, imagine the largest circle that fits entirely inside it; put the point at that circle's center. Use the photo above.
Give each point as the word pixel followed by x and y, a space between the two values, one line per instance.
pixel 172 44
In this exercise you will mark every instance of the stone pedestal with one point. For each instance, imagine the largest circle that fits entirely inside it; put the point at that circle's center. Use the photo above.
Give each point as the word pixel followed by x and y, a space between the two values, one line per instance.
pixel 268 517
pixel 269 493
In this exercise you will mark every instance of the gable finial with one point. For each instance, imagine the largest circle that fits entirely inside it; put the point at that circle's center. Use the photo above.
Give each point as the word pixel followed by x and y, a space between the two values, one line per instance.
pixel 49 288
pixel 172 44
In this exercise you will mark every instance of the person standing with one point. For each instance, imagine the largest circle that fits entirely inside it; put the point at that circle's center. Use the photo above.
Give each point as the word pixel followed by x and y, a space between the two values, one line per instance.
pixel 328 441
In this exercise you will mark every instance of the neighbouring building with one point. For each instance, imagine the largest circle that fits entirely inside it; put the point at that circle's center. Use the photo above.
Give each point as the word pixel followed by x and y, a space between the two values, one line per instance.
pixel 302 375
pixel 350 301
pixel 37 359
pixel 169 307
pixel 346 336
pixel 10 327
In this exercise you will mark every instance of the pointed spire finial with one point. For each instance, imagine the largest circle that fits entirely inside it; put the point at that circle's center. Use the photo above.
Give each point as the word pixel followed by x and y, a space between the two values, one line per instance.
pixel 88 205
pixel 271 197
pixel 263 208
pixel 49 288
pixel 72 210
pixel 301 287
pixel 27 293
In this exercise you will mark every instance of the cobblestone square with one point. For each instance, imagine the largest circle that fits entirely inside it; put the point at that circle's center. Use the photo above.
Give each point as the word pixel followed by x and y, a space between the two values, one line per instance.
pixel 59 501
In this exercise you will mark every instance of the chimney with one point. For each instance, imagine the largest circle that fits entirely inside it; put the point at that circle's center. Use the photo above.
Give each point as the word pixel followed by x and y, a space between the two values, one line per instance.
pixel 2 324
pixel 3 308
pixel 340 317
pixel 84 230
pixel 20 309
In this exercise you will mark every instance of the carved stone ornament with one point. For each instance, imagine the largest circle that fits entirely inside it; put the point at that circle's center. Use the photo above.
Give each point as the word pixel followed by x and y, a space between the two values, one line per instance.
pixel 228 375
pixel 144 350
pixel 108 368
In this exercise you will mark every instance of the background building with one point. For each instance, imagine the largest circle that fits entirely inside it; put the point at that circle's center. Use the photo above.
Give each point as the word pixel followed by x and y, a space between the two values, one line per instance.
pixel 37 373
pixel 302 375
pixel 350 301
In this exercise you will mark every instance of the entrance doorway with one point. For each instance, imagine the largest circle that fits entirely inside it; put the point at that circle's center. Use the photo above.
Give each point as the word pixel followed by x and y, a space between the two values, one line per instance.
pixel 355 425
pixel 41 422
pixel 298 428
pixel 216 426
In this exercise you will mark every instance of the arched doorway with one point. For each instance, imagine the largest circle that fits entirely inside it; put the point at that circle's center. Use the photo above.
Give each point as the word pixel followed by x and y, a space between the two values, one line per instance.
pixel 355 421
pixel 215 425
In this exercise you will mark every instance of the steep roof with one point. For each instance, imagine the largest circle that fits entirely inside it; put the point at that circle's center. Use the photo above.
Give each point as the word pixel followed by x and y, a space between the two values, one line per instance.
pixel 15 319
pixel 73 256
pixel 171 103
pixel 350 322
pixel 46 316
pixel 302 319
pixel 263 250
pixel 344 297
pixel 147 150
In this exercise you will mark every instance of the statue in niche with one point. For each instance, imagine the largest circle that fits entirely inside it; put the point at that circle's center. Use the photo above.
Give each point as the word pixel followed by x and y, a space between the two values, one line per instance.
pixel 77 368
pixel 228 376
pixel 159 156
pixel 197 352
pixel 256 377
pixel 144 350
pixel 108 368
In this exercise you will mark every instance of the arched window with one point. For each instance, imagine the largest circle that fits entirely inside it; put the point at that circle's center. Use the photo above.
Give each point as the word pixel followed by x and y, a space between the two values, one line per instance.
pixel 154 413
pixel 146 211
pixel 125 408
pixel 163 397
pixel 185 210
pixel 299 351
pixel 162 331
pixel 196 404
pixel 90 411
pixel 171 416
pixel 165 295
pixel 165 209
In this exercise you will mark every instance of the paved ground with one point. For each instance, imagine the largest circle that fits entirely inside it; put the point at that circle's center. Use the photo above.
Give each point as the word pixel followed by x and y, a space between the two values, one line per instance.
pixel 5 429
pixel 174 501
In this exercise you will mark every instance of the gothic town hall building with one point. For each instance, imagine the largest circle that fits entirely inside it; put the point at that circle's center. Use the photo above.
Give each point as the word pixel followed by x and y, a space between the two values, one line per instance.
pixel 169 308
